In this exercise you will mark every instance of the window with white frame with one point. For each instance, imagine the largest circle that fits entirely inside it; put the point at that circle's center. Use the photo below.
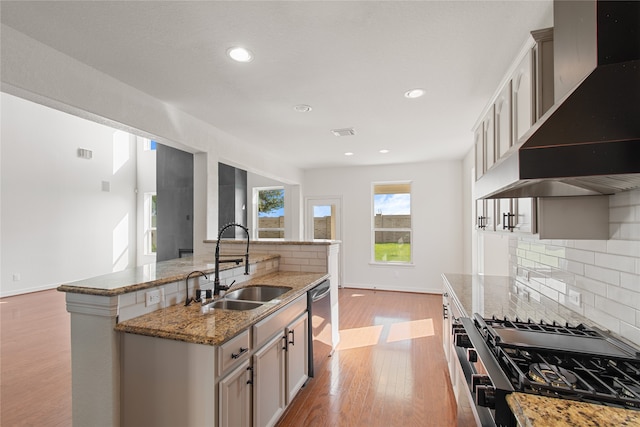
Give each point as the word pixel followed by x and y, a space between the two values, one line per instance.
pixel 269 212
pixel 391 232
pixel 150 223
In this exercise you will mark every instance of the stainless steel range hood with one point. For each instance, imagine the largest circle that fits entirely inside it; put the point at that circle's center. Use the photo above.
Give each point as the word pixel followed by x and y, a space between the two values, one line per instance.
pixel 588 143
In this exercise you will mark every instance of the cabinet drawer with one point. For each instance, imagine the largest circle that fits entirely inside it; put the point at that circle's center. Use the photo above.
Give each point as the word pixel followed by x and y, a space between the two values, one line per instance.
pixel 234 351
pixel 274 324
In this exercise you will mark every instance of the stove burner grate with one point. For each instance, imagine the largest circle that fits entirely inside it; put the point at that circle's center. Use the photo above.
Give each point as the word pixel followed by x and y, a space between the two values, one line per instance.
pixel 554 376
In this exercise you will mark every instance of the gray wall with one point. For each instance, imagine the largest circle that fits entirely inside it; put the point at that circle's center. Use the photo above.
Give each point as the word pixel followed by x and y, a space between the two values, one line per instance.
pixel 232 196
pixel 174 179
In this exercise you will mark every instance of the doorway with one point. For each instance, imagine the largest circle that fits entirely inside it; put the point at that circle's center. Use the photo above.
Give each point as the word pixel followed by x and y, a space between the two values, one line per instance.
pixel 323 218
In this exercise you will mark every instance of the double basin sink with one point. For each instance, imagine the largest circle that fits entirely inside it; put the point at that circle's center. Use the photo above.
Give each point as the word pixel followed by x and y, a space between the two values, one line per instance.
pixel 249 298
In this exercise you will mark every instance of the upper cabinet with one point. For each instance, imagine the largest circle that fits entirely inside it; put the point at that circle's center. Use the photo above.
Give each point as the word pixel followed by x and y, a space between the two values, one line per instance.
pixel 524 96
pixel 504 132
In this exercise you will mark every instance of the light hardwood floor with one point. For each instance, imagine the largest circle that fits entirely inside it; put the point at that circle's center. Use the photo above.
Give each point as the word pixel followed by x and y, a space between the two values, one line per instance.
pixel 388 371
pixel 35 351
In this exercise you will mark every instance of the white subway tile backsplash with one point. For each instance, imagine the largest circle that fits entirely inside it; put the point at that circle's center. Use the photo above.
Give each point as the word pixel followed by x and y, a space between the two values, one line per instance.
pixel 606 273
pixel 602 274
pixel 549 260
pixel 622 214
pixel 590 285
pixel 591 245
pixel 630 332
pixel 615 262
pixel 624 247
pixel 604 319
pixel 630 281
pixel 624 296
pixel 579 255
pixel 628 232
pixel 556 285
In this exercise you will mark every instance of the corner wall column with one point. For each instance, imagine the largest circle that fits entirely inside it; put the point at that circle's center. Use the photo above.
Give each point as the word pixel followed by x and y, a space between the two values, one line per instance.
pixel 95 360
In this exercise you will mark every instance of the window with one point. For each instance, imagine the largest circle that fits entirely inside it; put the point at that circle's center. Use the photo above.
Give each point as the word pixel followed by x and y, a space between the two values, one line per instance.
pixel 150 223
pixel 391 231
pixel 270 212
pixel 150 145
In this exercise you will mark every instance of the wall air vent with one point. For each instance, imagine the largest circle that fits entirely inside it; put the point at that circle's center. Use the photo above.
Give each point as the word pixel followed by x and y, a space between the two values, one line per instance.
pixel 343 132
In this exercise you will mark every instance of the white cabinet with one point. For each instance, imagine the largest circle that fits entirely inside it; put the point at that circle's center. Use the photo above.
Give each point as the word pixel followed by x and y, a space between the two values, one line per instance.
pixel 235 397
pixel 516 215
pixel 522 96
pixel 280 365
pixel 504 136
pixel 488 133
pixel 525 215
pixel 269 382
pixel 478 145
pixel 527 93
pixel 485 215
pixel 297 355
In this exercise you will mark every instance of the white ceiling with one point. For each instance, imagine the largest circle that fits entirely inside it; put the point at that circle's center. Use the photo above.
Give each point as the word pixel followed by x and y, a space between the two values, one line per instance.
pixel 350 60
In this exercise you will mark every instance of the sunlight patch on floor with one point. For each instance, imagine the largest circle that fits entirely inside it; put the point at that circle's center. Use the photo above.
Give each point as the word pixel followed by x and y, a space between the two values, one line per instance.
pixel 359 337
pixel 396 331
pixel 411 330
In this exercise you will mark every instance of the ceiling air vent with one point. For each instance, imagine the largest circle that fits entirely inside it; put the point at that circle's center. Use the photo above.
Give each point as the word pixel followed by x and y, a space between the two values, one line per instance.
pixel 343 132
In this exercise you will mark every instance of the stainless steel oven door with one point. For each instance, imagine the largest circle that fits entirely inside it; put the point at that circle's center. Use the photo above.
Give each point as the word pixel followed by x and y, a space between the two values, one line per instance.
pixel 486 382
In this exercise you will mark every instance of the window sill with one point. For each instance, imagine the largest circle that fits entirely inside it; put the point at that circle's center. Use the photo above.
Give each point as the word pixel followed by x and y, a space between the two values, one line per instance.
pixel 392 264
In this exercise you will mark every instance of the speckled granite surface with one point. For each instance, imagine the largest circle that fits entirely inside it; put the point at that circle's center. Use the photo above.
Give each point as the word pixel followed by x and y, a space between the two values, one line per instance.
pixel 538 411
pixel 214 328
pixel 150 275
pixel 499 296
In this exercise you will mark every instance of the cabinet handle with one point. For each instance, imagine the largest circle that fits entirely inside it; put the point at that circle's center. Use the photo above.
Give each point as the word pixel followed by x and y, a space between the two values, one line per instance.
pixel 293 337
pixel 506 221
pixel 482 222
pixel 250 380
pixel 237 355
pixel 445 311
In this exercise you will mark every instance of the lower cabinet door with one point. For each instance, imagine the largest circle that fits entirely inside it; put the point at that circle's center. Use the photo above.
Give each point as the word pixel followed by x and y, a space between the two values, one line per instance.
pixel 235 397
pixel 269 382
pixel 297 355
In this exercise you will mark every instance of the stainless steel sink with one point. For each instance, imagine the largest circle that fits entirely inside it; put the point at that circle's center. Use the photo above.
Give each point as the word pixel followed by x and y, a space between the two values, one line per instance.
pixel 261 293
pixel 226 304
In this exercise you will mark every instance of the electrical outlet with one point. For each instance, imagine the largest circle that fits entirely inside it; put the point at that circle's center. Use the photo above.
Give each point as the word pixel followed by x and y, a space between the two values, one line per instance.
pixel 574 297
pixel 152 297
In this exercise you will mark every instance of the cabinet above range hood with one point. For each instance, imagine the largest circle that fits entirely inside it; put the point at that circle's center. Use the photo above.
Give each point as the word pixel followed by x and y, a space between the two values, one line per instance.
pixel 588 142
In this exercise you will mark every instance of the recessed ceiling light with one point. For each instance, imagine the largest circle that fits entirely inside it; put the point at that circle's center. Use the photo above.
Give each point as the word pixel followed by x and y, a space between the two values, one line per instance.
pixel 302 108
pixel 385 151
pixel 240 54
pixel 348 153
pixel 414 93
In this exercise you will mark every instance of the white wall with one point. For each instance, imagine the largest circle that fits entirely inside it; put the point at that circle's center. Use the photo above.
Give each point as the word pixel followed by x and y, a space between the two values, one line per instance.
pixel 436 204
pixel 38 73
pixel 58 225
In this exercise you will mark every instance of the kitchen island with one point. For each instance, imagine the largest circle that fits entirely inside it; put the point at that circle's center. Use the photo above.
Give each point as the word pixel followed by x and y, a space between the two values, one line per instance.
pixel 98 305
pixel 501 296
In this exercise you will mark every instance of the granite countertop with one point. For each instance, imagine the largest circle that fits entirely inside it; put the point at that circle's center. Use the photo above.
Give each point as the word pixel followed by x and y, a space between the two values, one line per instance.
pixel 501 296
pixel 150 275
pixel 187 324
pixel 538 411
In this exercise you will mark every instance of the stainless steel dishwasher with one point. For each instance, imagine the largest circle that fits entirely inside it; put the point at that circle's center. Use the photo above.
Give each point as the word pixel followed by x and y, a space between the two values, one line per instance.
pixel 321 342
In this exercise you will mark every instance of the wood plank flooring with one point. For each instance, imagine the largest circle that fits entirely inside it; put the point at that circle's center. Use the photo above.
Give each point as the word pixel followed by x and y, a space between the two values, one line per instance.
pixel 35 359
pixel 388 371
